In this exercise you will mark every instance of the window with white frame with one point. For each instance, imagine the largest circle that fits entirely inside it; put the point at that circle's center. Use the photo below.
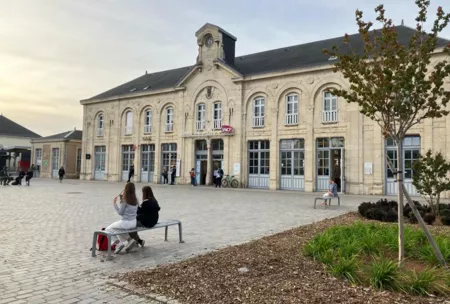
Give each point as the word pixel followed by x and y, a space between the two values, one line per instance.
pixel 100 125
pixel 169 119
pixel 200 120
pixel 217 115
pixel 329 113
pixel 258 112
pixel 148 121
pixel 128 123
pixel 291 109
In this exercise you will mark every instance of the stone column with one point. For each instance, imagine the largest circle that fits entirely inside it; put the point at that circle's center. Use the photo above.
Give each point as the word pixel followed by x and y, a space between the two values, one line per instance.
pixel 156 131
pixel 274 157
pixel 208 168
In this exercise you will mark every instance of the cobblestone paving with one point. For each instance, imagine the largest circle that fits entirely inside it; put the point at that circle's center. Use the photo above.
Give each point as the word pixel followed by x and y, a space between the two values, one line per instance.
pixel 45 257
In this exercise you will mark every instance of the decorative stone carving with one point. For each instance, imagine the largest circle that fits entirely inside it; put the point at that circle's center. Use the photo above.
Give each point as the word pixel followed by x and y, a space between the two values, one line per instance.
pixel 275 86
pixel 274 110
pixel 310 80
pixel 209 67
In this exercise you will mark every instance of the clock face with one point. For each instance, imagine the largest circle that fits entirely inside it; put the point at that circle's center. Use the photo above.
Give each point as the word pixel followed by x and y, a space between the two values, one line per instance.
pixel 209 41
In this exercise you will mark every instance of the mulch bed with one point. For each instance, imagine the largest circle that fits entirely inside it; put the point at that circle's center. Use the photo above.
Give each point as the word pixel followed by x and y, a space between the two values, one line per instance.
pixel 277 273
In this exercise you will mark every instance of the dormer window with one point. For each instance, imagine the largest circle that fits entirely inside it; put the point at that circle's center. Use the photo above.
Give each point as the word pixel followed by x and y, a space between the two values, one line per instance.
pixel 209 40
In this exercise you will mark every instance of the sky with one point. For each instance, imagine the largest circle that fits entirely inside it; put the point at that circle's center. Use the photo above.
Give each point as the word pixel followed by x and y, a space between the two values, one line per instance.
pixel 54 53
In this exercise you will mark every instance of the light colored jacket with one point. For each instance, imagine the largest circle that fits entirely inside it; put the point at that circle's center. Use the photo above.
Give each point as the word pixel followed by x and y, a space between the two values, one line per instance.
pixel 128 212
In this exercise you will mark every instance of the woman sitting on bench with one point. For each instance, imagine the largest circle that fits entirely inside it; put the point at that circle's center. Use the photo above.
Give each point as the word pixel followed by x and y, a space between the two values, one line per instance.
pixel 128 210
pixel 147 216
pixel 332 190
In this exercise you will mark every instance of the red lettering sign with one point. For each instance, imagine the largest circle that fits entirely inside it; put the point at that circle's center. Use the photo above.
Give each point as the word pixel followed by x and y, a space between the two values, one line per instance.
pixel 227 129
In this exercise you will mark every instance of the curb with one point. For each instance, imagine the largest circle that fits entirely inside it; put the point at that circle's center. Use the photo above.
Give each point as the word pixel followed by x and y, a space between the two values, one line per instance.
pixel 141 292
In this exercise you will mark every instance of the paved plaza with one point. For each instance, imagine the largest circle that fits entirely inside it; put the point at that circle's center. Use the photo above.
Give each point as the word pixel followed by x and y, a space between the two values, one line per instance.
pixel 45 257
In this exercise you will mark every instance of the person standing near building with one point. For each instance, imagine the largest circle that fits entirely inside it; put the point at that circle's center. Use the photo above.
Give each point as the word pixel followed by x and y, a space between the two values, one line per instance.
pixel 219 180
pixel 192 174
pixel 165 175
pixel 216 176
pixel 61 173
pixel 130 173
pixel 173 175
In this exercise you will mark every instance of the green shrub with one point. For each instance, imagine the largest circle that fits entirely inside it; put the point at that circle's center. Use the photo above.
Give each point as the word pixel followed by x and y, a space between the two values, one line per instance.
pixel 384 274
pixel 345 267
pixel 426 282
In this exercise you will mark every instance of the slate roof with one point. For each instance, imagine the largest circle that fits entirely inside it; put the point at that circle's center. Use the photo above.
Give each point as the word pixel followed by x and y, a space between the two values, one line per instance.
pixel 10 128
pixel 68 135
pixel 288 58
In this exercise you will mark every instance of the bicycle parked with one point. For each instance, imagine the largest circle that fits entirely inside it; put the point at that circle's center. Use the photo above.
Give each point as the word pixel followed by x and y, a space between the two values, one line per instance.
pixel 230 180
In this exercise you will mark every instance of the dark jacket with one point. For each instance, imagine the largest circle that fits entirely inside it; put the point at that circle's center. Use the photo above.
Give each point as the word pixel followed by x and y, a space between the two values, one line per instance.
pixel 131 172
pixel 61 172
pixel 21 174
pixel 147 213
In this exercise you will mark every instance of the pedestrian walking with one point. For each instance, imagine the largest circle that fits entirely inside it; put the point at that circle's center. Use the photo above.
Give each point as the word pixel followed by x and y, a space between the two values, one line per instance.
pixel 219 180
pixel 130 173
pixel 61 173
pixel 216 177
pixel 192 174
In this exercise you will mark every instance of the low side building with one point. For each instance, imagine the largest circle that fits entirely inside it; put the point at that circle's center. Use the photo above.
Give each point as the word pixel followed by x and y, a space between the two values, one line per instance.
pixel 51 152
pixel 15 145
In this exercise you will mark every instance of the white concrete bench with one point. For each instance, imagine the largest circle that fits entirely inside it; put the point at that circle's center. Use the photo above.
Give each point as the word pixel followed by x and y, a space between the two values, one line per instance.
pixel 325 199
pixel 108 234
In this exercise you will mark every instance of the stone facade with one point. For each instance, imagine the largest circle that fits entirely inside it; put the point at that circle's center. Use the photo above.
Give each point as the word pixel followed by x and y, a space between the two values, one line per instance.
pixel 50 154
pixel 300 148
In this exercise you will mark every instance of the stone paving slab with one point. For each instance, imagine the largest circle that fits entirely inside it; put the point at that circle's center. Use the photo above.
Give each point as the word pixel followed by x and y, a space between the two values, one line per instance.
pixel 48 226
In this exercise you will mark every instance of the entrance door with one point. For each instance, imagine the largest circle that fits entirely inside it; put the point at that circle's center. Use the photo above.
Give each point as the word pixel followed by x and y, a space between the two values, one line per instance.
pixel 411 152
pixel 127 160
pixel 55 162
pixel 203 169
pixel 292 164
pixel 169 158
pixel 201 157
pixel 100 157
pixel 147 163
pixel 330 163
pixel 258 164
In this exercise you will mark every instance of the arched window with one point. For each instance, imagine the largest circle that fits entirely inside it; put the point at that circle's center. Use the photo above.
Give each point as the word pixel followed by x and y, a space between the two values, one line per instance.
pixel 258 112
pixel 217 115
pixel 169 119
pixel 200 116
pixel 291 109
pixel 329 113
pixel 148 121
pixel 128 123
pixel 100 125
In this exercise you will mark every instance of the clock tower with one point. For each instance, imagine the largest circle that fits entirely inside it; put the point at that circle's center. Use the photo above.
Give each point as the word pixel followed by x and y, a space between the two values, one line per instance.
pixel 215 44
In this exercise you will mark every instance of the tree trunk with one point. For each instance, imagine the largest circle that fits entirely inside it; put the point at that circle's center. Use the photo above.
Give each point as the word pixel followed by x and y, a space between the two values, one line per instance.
pixel 401 225
pixel 436 250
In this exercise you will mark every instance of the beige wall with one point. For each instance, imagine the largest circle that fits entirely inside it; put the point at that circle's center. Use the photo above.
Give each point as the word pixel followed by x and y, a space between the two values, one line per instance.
pixel 14 141
pixel 67 157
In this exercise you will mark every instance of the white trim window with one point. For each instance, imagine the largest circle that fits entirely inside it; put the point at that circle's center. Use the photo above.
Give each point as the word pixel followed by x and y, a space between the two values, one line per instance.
pixel 128 123
pixel 148 121
pixel 217 115
pixel 201 117
pixel 291 109
pixel 169 119
pixel 100 125
pixel 329 113
pixel 258 112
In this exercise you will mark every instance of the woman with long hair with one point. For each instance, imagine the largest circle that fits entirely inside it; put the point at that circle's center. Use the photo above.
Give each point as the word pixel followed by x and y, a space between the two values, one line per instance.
pixel 147 216
pixel 127 209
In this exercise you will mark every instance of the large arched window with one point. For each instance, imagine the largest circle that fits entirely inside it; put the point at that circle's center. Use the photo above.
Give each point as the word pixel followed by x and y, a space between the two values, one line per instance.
pixel 100 125
pixel 128 123
pixel 291 109
pixel 258 112
pixel 148 121
pixel 329 113
pixel 169 119
pixel 200 117
pixel 217 115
